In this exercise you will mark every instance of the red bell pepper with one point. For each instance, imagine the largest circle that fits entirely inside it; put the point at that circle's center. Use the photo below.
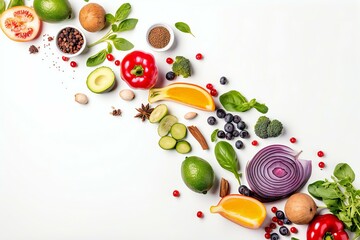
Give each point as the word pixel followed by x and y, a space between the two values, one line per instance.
pixel 326 227
pixel 138 70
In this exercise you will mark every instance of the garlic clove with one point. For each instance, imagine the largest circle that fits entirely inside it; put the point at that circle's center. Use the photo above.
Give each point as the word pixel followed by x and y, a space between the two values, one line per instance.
pixel 127 94
pixel 81 98
pixel 190 115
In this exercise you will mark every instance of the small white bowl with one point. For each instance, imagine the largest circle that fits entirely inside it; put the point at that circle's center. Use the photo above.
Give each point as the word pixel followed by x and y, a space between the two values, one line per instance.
pixel 64 52
pixel 170 40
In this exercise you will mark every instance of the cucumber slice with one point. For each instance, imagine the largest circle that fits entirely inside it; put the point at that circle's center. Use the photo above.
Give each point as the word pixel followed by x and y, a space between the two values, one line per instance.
pixel 158 113
pixel 183 147
pixel 178 131
pixel 167 142
pixel 166 124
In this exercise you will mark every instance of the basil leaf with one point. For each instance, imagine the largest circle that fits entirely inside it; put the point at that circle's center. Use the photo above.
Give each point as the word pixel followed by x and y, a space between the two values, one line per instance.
pixel 126 25
pixel 122 44
pixel 226 157
pixel 261 107
pixel 96 59
pixel 14 3
pixel 234 101
pixel 214 135
pixel 110 18
pixel 122 12
pixel 343 171
pixel 2 6
pixel 183 27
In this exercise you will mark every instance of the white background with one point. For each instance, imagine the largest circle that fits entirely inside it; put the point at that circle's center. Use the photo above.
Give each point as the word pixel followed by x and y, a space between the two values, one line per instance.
pixel 69 171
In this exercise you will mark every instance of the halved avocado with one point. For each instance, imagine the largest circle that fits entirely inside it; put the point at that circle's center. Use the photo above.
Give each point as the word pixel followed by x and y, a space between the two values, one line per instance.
pixel 101 80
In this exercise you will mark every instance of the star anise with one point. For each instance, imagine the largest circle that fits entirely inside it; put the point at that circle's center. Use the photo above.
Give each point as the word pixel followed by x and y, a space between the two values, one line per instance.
pixel 144 112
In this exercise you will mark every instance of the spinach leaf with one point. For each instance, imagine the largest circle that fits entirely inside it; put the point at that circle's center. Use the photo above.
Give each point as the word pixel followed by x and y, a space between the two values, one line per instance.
pixel 343 171
pixel 214 135
pixel 122 44
pixel 110 18
pixel 183 27
pixel 126 25
pixel 321 190
pixel 14 3
pixel 122 12
pixel 2 6
pixel 96 59
pixel 226 157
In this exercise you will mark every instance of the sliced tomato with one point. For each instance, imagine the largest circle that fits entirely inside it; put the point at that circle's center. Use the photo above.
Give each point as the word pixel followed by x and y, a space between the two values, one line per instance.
pixel 20 23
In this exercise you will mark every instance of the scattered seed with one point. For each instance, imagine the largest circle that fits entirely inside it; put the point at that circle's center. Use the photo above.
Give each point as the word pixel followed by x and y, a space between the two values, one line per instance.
pixel 127 94
pixel 81 98
pixel 190 115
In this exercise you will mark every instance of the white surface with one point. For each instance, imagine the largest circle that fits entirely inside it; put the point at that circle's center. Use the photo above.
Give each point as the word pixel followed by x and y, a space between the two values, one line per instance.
pixel 70 172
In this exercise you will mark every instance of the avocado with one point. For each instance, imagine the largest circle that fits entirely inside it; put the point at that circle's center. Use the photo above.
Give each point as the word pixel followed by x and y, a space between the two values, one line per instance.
pixel 101 80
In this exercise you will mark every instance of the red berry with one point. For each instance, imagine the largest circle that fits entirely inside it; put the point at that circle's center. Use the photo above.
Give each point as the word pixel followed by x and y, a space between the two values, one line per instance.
pixel 176 193
pixel 199 56
pixel 272 225
pixel 209 86
pixel 293 140
pixel 280 222
pixel 73 64
pixel 110 57
pixel 293 230
pixel 321 164
pixel 169 60
pixel 320 153
pixel 200 214
pixel 254 143
pixel 274 209
pixel 213 92
pixel 268 229
pixel 117 62
pixel 274 219
pixel 267 235
pixel 65 58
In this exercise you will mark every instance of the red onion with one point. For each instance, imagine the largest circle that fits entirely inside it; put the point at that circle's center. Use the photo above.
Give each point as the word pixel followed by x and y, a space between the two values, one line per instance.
pixel 275 172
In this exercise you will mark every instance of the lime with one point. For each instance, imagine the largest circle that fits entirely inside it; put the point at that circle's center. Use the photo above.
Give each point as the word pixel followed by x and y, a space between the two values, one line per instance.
pixel 197 174
pixel 52 10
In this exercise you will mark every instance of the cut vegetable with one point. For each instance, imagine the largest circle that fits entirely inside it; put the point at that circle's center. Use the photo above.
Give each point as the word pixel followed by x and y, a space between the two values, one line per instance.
pixel 158 113
pixel 166 124
pixel 178 131
pixel 167 142
pixel 183 147
pixel 185 93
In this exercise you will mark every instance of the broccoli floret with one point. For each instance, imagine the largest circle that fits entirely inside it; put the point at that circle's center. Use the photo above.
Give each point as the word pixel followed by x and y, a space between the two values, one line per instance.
pixel 275 128
pixel 182 66
pixel 261 127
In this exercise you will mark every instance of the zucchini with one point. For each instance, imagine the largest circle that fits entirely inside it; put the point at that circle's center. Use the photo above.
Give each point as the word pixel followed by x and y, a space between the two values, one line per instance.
pixel 178 131
pixel 167 142
pixel 166 124
pixel 158 113
pixel 183 147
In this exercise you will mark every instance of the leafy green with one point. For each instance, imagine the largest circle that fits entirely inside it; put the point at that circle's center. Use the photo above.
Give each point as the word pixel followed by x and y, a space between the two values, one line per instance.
pixel 340 196
pixel 119 23
pixel 226 157
pixel 2 6
pixel 234 101
pixel 183 27
pixel 214 135
pixel 14 3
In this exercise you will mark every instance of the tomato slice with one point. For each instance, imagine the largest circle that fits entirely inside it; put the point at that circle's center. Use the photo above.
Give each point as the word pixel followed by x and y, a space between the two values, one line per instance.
pixel 20 23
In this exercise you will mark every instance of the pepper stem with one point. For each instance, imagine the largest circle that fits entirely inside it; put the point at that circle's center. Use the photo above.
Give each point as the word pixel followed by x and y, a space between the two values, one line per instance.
pixel 138 70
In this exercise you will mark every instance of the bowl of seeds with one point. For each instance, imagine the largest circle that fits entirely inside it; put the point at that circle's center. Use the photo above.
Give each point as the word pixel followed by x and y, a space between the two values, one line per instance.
pixel 70 41
pixel 160 37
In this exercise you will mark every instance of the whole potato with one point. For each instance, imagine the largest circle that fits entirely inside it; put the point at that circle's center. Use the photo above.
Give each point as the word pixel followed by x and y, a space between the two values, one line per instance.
pixel 92 17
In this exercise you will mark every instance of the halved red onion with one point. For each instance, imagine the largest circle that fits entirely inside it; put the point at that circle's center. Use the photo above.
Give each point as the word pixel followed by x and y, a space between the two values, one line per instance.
pixel 275 172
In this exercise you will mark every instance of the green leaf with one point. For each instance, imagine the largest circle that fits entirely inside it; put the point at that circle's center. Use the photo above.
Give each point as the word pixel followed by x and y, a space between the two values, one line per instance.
pixel 112 36
pixel 14 3
pixel 114 27
pixel 321 190
pixel 183 27
pixel 122 12
pixel 126 25
pixel 2 6
pixel 226 157
pixel 214 135
pixel 110 18
pixel 234 101
pixel 122 44
pixel 261 107
pixel 343 171
pixel 96 59
pixel 109 48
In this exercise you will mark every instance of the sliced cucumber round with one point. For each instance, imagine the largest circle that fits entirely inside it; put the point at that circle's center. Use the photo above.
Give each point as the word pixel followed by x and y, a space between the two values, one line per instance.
pixel 167 142
pixel 166 124
pixel 183 147
pixel 158 113
pixel 178 131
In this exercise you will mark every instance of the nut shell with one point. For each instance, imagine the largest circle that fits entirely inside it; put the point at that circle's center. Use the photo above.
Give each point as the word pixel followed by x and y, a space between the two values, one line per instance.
pixel 127 94
pixel 81 98
pixel 190 115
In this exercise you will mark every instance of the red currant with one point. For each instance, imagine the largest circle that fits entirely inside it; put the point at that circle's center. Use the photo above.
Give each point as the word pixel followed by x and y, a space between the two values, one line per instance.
pixel 280 222
pixel 254 143
pixel 176 193
pixel 65 58
pixel 209 86
pixel 213 92
pixel 320 153
pixel 272 225
pixel 169 60
pixel 274 209
pixel 110 57
pixel 200 214
pixel 73 64
pixel 293 230
pixel 117 62
pixel 321 164
pixel 267 235
pixel 293 140
pixel 268 229
pixel 274 219
pixel 199 56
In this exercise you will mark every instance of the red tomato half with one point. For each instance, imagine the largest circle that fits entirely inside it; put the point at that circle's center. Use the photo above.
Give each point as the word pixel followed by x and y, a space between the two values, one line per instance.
pixel 20 23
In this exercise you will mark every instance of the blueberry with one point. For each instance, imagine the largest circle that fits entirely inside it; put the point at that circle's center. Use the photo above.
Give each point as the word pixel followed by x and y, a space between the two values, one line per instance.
pixel 170 75
pixel 287 221
pixel 236 133
pixel 236 119
pixel 283 230
pixel 229 136
pixel 220 113
pixel 274 236
pixel 229 127
pixel 280 214
pixel 241 125
pixel 244 134
pixel 228 117
pixel 223 80
pixel 244 190
pixel 239 144
pixel 221 134
pixel 211 120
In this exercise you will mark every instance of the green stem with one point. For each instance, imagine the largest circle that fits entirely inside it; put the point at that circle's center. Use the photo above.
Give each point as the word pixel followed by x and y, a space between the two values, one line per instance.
pixel 103 39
